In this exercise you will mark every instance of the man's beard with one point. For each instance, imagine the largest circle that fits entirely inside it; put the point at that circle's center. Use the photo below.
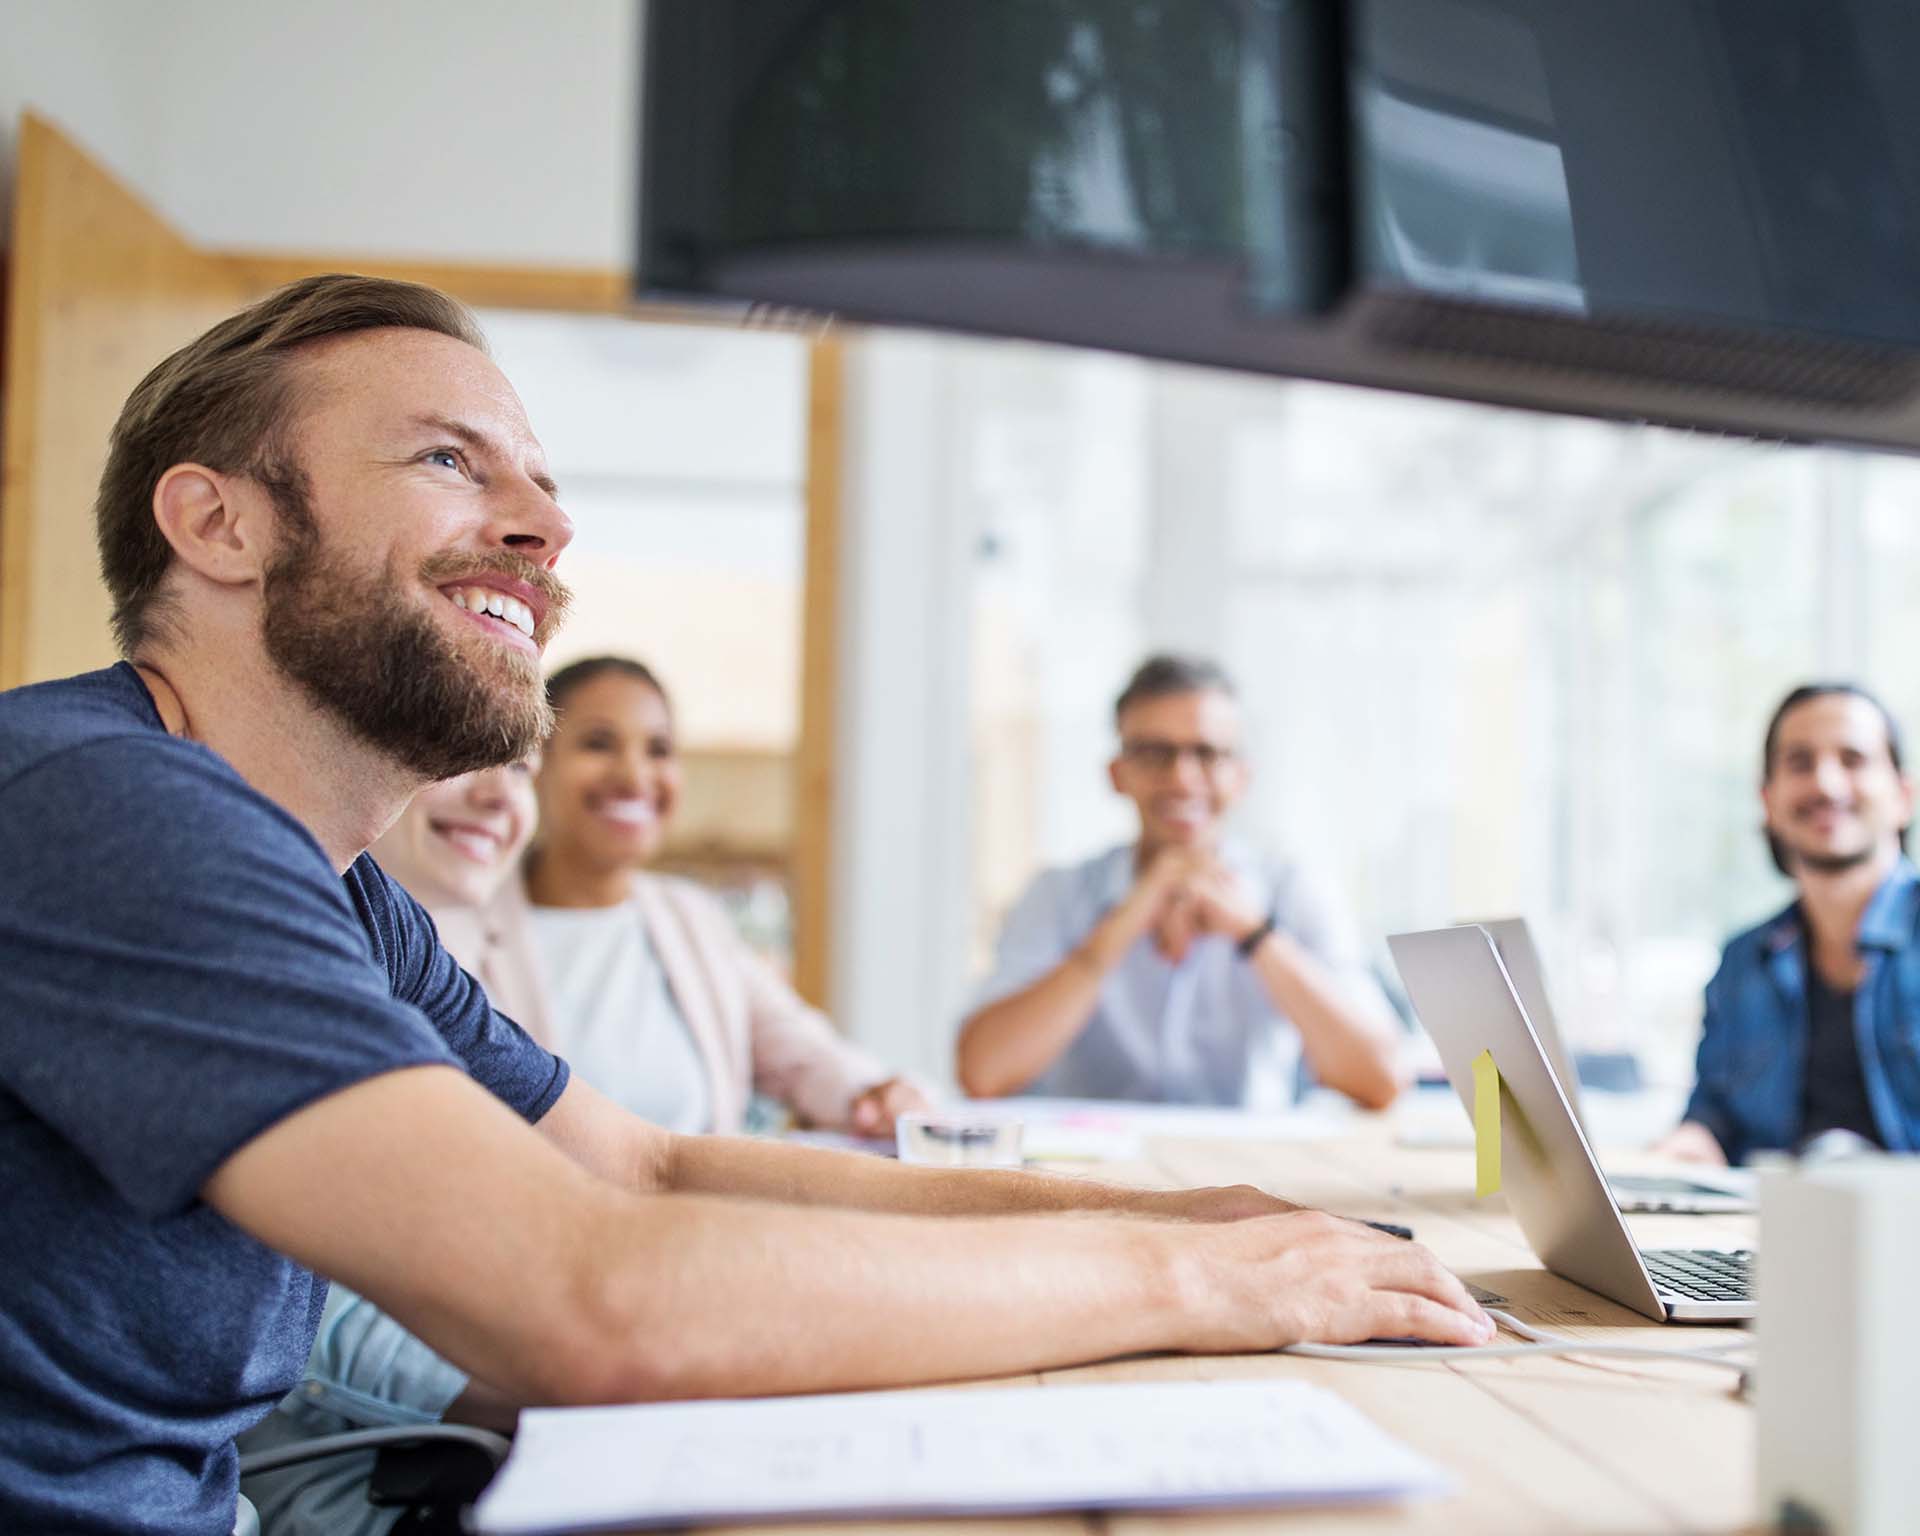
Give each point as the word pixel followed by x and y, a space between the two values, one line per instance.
pixel 384 669
pixel 1833 863
pixel 1829 863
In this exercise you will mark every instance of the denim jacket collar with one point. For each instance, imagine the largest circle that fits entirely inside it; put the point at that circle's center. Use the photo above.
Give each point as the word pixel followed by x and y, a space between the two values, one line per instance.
pixel 1887 924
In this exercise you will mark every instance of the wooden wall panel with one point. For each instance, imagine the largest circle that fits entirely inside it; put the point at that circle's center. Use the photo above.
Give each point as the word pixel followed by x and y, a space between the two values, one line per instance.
pixel 99 289
pixel 814 802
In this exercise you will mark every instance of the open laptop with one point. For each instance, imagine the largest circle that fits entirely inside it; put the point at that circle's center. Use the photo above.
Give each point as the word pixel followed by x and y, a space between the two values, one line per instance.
pixel 1467 1000
pixel 1702 1192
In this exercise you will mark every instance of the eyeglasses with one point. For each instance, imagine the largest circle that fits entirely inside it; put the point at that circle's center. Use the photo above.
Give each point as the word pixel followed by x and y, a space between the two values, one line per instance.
pixel 1163 756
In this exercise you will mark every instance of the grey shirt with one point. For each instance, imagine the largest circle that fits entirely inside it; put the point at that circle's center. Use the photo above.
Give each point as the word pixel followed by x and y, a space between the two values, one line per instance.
pixel 1203 1031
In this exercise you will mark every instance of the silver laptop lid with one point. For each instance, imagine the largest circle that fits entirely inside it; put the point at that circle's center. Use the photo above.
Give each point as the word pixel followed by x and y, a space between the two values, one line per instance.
pixel 1467 1001
pixel 1514 941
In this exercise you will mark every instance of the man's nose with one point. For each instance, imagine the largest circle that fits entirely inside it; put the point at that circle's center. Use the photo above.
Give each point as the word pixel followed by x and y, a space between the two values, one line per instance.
pixel 532 524
pixel 1186 770
pixel 1831 777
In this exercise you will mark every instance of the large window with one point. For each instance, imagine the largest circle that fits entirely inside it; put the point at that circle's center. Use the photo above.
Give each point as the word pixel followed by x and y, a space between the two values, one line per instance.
pixel 1493 662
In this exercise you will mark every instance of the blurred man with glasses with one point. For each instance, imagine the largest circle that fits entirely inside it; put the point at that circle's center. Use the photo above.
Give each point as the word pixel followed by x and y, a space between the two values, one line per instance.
pixel 1184 966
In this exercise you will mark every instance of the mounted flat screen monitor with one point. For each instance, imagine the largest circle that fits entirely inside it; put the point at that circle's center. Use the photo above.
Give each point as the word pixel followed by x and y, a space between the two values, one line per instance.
pixel 1105 171
pixel 1704 212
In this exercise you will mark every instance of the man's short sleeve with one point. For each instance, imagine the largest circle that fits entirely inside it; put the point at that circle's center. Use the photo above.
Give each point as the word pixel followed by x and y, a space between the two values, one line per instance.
pixel 180 968
pixel 1305 908
pixel 1309 913
pixel 503 1058
pixel 1036 937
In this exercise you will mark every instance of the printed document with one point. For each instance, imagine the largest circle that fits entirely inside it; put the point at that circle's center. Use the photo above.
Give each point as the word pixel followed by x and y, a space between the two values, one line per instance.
pixel 995 1450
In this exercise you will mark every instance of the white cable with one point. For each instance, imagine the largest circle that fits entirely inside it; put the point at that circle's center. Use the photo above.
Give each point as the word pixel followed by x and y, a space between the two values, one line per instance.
pixel 1542 1343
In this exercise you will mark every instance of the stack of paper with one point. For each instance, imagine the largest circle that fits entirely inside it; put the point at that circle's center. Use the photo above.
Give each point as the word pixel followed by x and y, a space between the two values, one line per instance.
pixel 924 1453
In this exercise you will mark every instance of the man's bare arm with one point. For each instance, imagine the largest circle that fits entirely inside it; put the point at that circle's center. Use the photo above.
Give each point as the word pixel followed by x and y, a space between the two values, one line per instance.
pixel 627 1151
pixel 1349 1047
pixel 1006 1045
pixel 433 1200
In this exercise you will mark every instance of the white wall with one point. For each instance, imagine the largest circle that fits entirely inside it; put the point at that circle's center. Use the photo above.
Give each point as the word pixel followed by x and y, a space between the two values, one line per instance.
pixel 681 456
pixel 901 895
pixel 78 62
pixel 475 130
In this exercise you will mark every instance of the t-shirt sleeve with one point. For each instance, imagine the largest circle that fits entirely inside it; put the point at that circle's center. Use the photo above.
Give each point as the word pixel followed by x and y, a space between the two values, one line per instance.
pixel 1034 939
pixel 1308 911
pixel 180 968
pixel 502 1056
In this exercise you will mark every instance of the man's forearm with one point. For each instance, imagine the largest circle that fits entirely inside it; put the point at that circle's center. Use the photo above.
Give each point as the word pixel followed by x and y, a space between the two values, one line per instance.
pixel 696 1297
pixel 791 1175
pixel 1007 1044
pixel 1347 1047
pixel 739 1298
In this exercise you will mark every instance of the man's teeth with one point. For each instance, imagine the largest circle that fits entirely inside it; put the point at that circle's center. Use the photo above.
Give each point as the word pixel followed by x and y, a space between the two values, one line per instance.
pixel 486 600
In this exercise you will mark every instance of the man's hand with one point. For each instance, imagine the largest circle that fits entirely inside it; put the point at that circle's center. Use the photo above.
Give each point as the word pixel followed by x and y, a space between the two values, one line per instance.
pixel 1221 900
pixel 874 1110
pixel 1691 1142
pixel 1194 893
pixel 1308 1276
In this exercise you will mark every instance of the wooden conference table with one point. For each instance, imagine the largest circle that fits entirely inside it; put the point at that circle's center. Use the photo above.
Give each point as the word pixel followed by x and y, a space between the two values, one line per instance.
pixel 1535 1445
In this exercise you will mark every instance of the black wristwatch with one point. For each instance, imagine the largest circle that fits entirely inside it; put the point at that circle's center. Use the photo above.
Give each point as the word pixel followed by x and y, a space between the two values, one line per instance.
pixel 1254 940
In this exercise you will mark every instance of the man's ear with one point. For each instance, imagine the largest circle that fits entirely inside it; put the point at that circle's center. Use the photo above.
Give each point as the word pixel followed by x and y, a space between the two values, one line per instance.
pixel 1113 776
pixel 214 526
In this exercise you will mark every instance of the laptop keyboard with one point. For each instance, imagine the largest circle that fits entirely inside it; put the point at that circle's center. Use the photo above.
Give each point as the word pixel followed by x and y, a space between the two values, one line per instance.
pixel 1701 1274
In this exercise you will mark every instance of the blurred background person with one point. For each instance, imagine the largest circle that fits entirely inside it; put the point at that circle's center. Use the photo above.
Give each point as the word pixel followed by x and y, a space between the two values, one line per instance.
pixel 1185 966
pixel 453 848
pixel 641 980
pixel 1811 1018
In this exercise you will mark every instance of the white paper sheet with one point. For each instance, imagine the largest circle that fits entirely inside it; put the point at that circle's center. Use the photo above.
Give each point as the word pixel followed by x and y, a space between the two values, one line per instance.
pixel 986 1451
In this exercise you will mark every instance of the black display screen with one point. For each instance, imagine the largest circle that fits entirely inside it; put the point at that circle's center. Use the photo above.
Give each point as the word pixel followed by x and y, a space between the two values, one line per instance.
pixel 1172 131
pixel 1698 211
pixel 1751 161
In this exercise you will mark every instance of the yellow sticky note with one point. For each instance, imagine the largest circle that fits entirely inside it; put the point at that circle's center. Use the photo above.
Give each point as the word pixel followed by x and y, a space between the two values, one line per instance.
pixel 1486 1126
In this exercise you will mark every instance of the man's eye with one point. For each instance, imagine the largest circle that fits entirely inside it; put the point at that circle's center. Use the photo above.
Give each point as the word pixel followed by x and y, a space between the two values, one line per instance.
pixel 444 456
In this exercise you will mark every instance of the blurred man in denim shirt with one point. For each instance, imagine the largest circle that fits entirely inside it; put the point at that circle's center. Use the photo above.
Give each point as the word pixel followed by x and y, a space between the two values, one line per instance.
pixel 1813 1019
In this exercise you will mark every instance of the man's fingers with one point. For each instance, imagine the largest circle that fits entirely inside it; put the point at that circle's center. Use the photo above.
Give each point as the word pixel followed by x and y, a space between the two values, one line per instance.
pixel 1397 1315
pixel 1396 1264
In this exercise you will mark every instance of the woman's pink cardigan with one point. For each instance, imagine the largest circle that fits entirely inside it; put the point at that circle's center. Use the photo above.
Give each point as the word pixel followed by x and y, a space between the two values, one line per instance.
pixel 752 1030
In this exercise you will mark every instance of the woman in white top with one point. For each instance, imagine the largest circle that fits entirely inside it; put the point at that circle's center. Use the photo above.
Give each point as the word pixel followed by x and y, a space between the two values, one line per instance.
pixel 640 980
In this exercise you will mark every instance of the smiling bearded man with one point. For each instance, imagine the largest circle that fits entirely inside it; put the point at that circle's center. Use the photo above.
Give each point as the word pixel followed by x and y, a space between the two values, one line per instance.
pixel 1811 1016
pixel 360 649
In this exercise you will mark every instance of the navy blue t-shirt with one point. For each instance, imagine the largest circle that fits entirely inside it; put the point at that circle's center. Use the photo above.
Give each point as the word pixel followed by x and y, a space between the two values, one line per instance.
pixel 180 968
